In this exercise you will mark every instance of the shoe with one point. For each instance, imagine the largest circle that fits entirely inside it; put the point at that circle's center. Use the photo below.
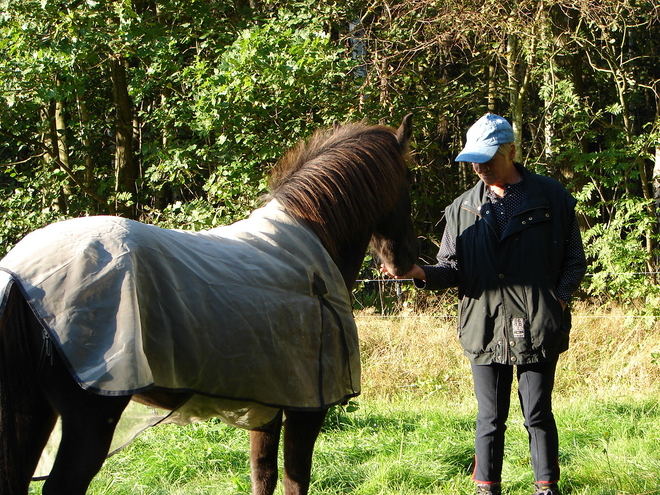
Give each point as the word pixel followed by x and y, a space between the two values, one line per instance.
pixel 489 489
pixel 546 489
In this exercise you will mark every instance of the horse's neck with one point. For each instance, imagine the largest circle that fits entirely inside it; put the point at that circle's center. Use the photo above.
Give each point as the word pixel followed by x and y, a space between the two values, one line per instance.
pixel 349 261
pixel 348 255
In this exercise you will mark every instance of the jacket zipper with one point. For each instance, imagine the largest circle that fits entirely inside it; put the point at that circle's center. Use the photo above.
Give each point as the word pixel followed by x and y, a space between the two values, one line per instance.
pixel 504 343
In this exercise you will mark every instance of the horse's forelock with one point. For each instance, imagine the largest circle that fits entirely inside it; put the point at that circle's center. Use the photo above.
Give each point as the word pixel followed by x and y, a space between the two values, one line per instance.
pixel 337 178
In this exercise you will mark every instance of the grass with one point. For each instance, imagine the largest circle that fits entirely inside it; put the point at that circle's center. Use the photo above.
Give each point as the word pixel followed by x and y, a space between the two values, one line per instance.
pixel 412 432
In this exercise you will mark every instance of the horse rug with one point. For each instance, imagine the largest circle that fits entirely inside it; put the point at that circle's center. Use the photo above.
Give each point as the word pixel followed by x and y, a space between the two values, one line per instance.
pixel 249 318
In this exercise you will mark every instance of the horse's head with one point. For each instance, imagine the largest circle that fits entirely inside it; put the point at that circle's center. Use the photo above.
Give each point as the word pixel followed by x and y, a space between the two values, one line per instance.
pixel 394 239
pixel 350 184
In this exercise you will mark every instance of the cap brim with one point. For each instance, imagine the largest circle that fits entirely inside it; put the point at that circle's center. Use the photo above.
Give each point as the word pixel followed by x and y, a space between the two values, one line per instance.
pixel 477 155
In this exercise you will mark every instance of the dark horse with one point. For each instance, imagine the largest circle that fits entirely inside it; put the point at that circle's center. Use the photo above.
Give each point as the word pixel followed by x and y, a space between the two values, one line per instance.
pixel 348 185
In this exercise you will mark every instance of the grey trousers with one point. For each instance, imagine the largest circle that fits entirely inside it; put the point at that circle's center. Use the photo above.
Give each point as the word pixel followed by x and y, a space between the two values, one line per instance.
pixel 492 386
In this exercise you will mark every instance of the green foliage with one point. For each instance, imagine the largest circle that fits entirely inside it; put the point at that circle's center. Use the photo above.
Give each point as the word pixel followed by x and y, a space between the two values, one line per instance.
pixel 621 237
pixel 18 214
pixel 269 88
pixel 219 90
pixel 618 251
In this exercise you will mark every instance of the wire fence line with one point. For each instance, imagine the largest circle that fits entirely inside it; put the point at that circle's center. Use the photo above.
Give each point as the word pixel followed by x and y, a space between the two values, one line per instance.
pixel 388 279
pixel 402 314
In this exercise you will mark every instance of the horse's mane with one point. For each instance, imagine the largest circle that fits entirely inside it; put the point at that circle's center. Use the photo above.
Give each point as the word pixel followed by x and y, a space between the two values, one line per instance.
pixel 341 180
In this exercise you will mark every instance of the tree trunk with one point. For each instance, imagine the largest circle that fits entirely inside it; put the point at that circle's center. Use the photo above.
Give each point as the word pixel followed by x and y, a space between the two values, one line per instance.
pixel 57 142
pixel 51 143
pixel 126 173
pixel 380 62
pixel 549 79
pixel 60 136
pixel 87 144
pixel 516 92
pixel 656 172
pixel 492 87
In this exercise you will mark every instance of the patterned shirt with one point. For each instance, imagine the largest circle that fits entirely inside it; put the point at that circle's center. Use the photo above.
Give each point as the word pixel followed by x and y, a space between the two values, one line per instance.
pixel 445 272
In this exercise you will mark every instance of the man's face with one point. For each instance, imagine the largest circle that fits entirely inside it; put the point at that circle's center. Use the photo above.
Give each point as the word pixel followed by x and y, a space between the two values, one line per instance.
pixel 498 171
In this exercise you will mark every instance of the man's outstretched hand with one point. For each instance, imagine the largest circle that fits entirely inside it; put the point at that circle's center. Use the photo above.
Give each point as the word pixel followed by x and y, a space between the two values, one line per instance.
pixel 415 272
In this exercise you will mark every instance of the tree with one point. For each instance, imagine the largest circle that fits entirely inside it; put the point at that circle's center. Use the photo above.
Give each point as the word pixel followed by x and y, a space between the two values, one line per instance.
pixel 173 112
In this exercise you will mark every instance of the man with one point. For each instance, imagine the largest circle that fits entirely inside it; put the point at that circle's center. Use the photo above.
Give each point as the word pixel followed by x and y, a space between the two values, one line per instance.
pixel 512 246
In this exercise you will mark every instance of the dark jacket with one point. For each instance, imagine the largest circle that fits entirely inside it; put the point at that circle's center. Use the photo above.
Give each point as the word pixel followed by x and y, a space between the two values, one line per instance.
pixel 509 311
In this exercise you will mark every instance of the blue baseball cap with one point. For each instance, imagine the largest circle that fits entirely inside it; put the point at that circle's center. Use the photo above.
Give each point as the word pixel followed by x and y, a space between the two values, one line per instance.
pixel 484 138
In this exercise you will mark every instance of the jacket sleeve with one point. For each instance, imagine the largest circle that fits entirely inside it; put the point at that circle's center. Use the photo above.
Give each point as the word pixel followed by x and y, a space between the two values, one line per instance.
pixel 574 264
pixel 444 273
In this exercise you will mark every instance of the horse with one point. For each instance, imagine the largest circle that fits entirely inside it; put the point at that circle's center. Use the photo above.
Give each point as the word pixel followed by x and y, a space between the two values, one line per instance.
pixel 347 188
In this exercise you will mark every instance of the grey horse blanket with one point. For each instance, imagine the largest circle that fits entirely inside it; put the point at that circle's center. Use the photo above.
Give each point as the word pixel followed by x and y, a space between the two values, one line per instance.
pixel 250 318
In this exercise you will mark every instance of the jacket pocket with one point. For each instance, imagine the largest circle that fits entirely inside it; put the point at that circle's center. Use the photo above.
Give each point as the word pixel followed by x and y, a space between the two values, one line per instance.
pixel 545 317
pixel 477 336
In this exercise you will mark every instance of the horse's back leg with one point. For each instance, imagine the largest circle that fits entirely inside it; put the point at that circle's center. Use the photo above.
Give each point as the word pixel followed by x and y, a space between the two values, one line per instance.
pixel 36 386
pixel 26 416
pixel 301 429
pixel 264 446
pixel 34 420
pixel 88 424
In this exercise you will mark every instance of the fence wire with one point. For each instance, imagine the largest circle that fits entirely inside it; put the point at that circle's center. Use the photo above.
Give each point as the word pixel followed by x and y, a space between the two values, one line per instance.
pixel 399 282
pixel 365 280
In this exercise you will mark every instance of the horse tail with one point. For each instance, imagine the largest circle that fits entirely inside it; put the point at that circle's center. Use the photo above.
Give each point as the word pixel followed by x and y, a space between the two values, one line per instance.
pixel 18 380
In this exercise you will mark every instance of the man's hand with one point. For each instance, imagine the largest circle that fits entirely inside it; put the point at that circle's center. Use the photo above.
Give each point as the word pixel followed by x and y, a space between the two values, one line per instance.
pixel 415 272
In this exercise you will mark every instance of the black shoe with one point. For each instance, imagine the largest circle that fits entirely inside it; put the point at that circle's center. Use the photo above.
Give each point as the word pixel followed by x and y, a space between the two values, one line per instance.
pixel 546 489
pixel 489 489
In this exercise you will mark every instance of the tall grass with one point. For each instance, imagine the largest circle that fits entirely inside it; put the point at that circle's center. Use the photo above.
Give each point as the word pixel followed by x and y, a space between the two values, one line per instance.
pixel 612 352
pixel 412 430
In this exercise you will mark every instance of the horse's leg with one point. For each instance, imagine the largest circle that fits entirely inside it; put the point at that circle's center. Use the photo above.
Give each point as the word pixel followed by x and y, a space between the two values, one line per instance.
pixel 264 445
pixel 301 430
pixel 34 388
pixel 34 430
pixel 86 438
pixel 88 423
pixel 34 422
pixel 26 416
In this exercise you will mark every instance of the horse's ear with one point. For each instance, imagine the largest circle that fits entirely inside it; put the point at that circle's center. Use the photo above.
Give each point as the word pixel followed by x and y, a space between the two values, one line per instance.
pixel 404 131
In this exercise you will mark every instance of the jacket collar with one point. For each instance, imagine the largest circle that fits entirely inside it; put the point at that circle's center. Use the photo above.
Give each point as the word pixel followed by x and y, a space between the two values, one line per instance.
pixel 534 205
pixel 533 194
